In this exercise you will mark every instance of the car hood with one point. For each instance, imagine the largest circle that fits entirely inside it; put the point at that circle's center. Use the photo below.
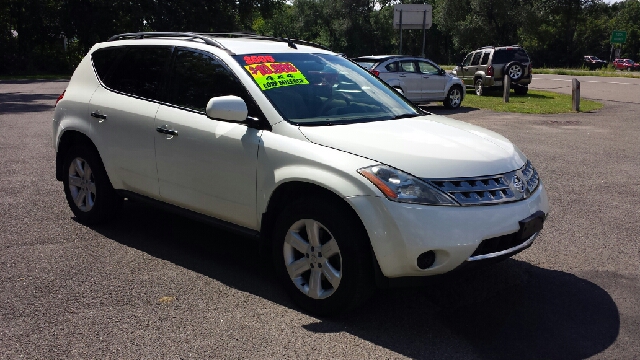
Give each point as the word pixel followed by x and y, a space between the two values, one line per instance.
pixel 427 146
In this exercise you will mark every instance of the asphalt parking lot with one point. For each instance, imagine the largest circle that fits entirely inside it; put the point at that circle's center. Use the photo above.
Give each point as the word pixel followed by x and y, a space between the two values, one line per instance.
pixel 152 285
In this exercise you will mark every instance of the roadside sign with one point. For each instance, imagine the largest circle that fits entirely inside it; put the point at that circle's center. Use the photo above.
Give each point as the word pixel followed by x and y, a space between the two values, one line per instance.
pixel 618 37
pixel 414 16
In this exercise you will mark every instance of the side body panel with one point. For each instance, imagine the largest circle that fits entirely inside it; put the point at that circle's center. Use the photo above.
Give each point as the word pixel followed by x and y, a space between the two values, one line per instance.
pixel 125 140
pixel 209 167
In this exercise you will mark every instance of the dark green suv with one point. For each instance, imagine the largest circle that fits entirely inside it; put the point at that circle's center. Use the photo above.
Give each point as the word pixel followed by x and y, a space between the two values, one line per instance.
pixel 486 67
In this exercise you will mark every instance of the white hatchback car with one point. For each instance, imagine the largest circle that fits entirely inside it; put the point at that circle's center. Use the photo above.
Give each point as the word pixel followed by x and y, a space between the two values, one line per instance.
pixel 420 80
pixel 347 183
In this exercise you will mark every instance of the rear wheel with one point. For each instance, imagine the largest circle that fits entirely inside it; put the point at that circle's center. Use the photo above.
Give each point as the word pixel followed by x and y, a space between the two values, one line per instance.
pixel 87 187
pixel 478 87
pixel 322 257
pixel 521 90
pixel 454 98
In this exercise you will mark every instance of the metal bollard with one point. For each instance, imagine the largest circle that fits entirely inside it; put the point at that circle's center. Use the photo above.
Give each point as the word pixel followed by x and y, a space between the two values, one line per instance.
pixel 507 88
pixel 575 94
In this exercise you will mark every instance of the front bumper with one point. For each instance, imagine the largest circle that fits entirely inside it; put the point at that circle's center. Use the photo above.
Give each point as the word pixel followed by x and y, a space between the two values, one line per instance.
pixel 400 232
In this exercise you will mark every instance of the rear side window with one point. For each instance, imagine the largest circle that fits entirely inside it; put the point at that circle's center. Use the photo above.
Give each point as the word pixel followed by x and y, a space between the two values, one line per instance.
pixel 140 71
pixel 366 63
pixel 507 56
pixel 408 66
pixel 197 77
pixel 485 58
pixel 392 67
pixel 476 58
pixel 104 59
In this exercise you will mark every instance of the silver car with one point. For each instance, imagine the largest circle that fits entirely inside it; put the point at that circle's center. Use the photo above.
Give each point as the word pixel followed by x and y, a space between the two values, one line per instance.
pixel 418 79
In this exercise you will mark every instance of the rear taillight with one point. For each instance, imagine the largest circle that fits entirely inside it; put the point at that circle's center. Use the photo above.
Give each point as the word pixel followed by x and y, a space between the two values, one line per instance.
pixel 490 71
pixel 60 97
pixel 375 72
pixel 530 68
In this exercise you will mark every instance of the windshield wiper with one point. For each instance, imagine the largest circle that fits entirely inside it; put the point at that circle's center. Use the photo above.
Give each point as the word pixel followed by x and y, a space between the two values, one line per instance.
pixel 405 116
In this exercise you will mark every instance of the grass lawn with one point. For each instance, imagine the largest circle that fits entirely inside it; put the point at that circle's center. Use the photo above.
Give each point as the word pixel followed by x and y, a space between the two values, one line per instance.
pixel 535 102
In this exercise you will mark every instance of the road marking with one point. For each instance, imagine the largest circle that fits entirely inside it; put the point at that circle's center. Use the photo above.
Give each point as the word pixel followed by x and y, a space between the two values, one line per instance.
pixel 589 81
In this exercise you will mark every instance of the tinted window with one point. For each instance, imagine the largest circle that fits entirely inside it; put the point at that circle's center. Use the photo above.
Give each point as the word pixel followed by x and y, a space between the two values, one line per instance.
pixel 197 77
pixel 104 59
pixel 367 64
pixel 507 56
pixel 140 70
pixel 427 68
pixel 476 58
pixel 485 58
pixel 408 66
pixel 392 67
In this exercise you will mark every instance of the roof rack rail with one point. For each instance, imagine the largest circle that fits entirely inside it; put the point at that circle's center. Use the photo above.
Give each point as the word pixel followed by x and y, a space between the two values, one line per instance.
pixel 487 47
pixel 141 35
pixel 208 38
pixel 265 37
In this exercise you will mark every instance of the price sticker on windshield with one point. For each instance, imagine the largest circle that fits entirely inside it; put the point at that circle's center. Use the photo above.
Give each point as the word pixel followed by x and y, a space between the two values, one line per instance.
pixel 273 75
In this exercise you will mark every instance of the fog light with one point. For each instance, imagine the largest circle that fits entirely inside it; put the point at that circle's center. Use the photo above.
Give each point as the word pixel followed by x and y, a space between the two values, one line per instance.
pixel 426 259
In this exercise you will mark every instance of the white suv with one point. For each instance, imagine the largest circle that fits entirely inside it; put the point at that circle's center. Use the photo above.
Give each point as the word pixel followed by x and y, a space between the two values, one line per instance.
pixel 347 183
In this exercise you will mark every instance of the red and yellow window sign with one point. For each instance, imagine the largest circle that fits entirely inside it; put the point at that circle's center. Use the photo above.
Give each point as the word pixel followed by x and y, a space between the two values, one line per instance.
pixel 270 75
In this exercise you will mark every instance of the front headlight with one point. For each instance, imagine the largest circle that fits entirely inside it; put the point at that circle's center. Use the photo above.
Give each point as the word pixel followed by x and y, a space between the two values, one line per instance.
pixel 402 187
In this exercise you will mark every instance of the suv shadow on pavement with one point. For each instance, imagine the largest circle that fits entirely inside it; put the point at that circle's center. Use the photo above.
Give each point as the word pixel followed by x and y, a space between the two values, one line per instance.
pixel 16 102
pixel 441 110
pixel 509 310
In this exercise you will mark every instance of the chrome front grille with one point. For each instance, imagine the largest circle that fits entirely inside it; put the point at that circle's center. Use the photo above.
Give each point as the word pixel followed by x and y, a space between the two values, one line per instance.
pixel 496 189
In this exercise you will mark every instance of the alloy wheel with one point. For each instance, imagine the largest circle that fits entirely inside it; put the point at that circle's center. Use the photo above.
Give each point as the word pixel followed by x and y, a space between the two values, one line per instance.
pixel 312 259
pixel 515 72
pixel 455 98
pixel 82 184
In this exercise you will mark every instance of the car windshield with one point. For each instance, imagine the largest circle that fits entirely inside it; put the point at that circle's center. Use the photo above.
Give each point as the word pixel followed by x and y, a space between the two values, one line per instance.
pixel 366 63
pixel 323 89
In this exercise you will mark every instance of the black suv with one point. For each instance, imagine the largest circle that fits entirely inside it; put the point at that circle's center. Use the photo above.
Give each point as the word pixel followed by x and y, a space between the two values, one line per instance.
pixel 485 68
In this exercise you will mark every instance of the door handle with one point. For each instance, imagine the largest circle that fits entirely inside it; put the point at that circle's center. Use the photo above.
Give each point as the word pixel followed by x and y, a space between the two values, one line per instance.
pixel 97 115
pixel 162 130
pixel 402 75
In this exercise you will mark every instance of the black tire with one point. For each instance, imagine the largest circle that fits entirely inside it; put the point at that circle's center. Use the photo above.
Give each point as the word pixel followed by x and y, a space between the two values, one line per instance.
pixel 99 202
pixel 521 90
pixel 353 261
pixel 479 89
pixel 454 98
pixel 515 70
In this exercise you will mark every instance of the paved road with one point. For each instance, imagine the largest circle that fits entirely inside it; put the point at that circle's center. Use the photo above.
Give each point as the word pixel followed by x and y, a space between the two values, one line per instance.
pixel 615 89
pixel 151 285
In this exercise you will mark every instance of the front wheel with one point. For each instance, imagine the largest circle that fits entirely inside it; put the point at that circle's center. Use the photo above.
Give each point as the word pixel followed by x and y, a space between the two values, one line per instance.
pixel 322 256
pixel 454 98
pixel 87 187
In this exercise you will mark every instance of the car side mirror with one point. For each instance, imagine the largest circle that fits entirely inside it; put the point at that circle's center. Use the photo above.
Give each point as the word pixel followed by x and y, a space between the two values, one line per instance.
pixel 459 65
pixel 442 72
pixel 230 108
